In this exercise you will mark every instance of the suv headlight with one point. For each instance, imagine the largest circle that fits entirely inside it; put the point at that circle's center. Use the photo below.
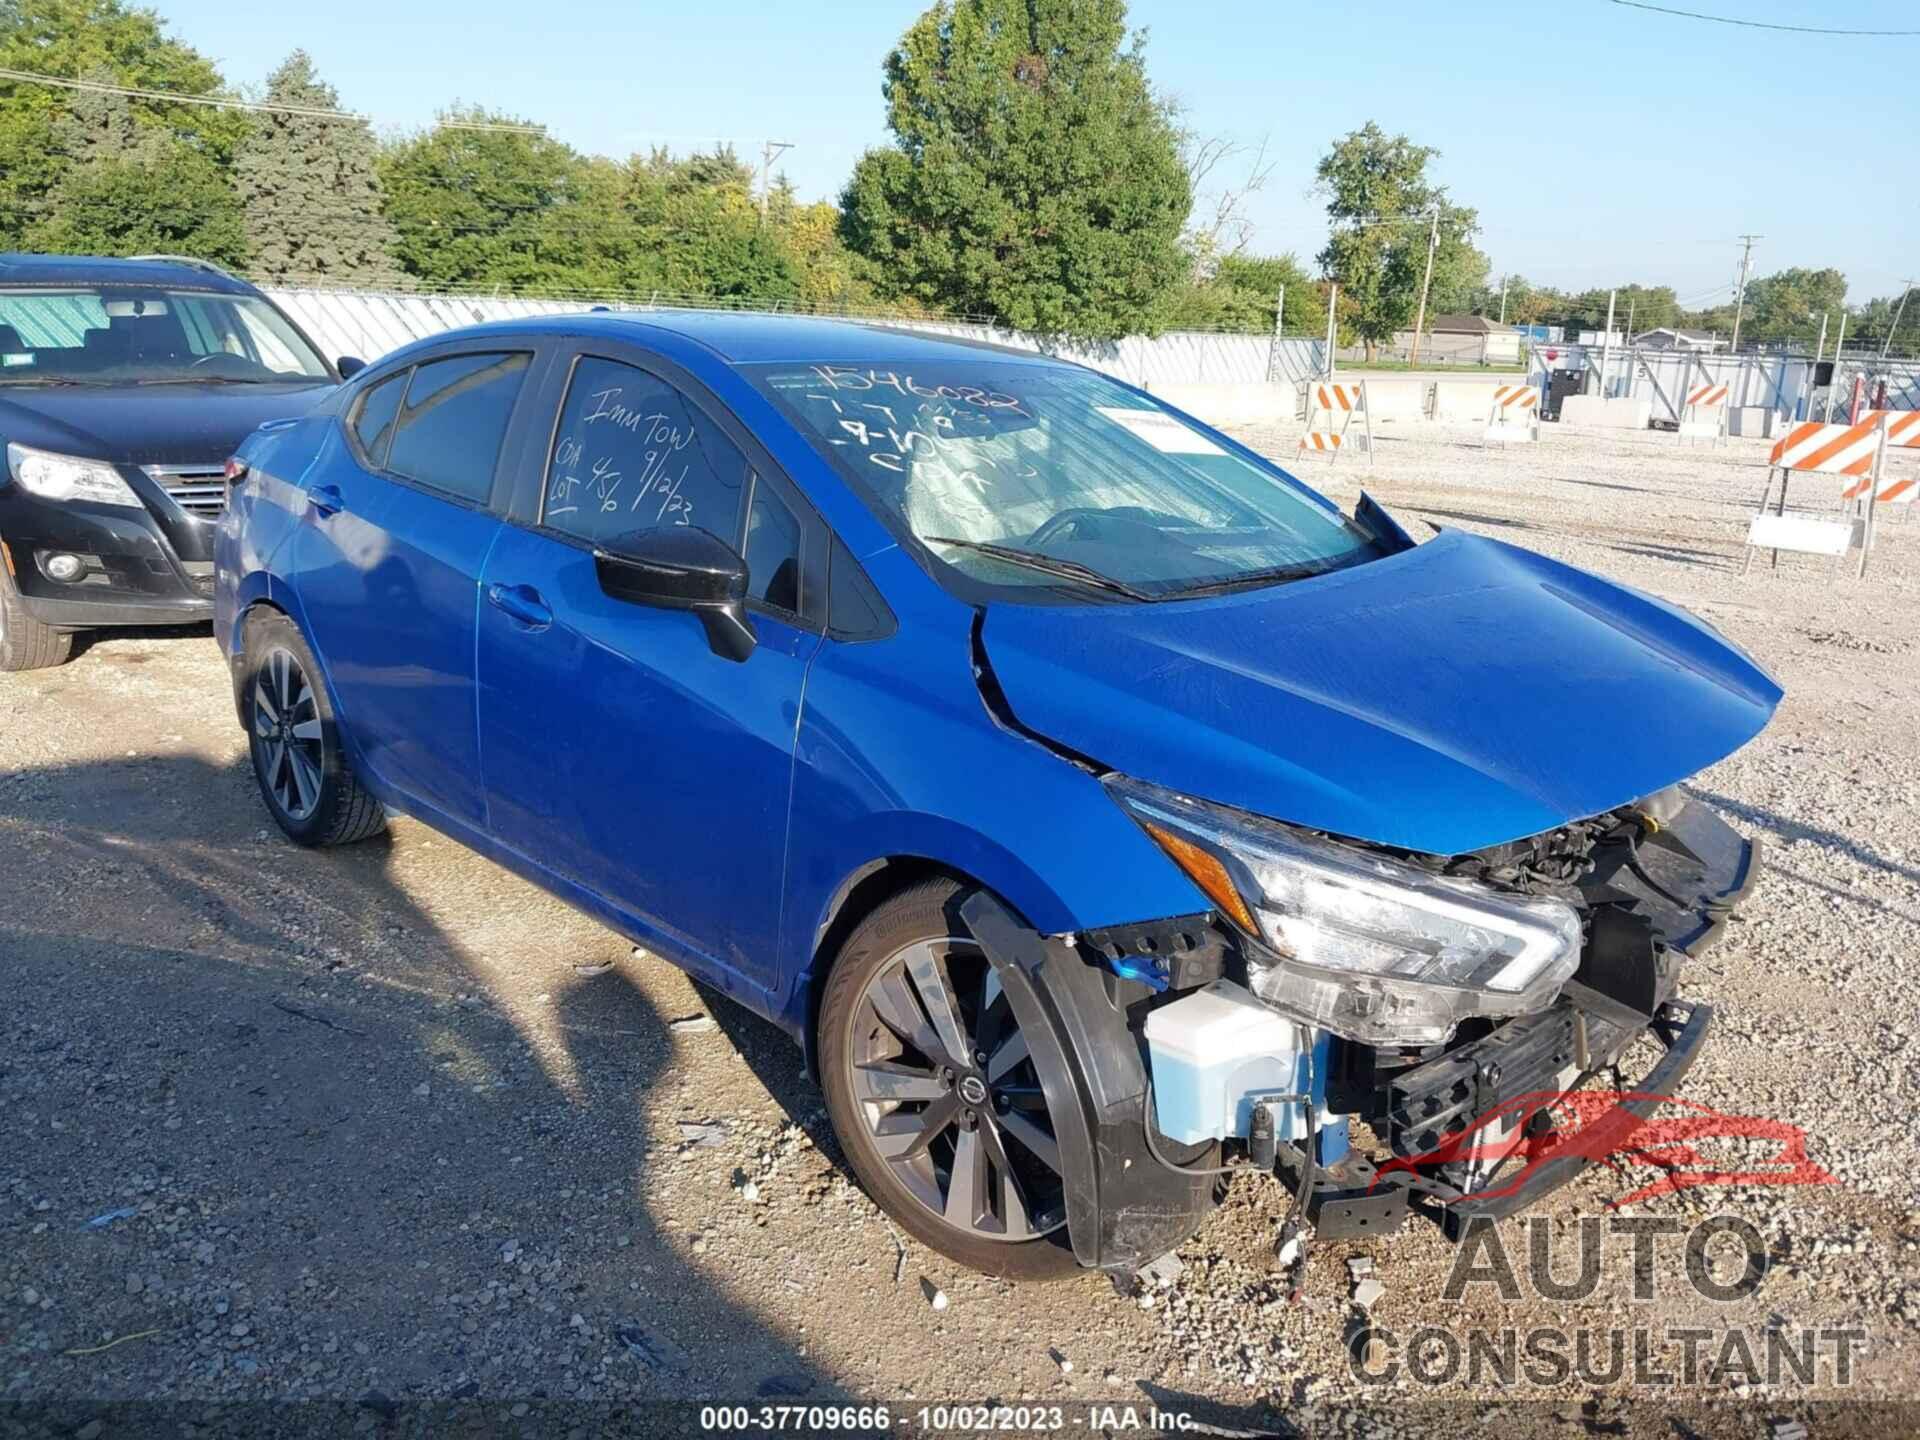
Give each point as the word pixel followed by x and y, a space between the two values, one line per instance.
pixel 68 477
pixel 1368 947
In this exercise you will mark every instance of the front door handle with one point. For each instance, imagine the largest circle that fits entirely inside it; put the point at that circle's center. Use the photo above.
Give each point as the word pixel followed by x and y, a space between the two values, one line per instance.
pixel 326 500
pixel 522 603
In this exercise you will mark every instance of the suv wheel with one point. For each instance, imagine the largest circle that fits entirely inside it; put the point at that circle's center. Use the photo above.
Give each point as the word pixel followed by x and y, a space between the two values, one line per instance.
pixel 933 1094
pixel 304 776
pixel 26 644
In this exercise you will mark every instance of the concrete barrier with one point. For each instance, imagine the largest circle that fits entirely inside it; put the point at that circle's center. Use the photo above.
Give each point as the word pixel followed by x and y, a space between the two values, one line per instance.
pixel 1593 412
pixel 1463 402
pixel 1397 400
pixel 1233 403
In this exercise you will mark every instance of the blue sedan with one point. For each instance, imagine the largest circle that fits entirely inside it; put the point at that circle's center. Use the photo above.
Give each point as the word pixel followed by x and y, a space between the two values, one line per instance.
pixel 1101 808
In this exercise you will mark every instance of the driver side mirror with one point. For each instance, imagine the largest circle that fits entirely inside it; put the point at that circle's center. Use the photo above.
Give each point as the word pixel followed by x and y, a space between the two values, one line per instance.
pixel 349 366
pixel 681 567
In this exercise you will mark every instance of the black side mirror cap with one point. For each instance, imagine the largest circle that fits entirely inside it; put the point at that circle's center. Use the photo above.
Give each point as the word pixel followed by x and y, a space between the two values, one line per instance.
pixel 349 366
pixel 682 567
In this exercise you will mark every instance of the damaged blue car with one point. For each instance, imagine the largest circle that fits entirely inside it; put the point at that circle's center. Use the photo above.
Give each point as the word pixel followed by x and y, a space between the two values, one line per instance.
pixel 1102 809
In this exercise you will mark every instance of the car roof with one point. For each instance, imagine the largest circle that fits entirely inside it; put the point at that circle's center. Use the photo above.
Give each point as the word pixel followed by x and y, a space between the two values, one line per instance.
pixel 182 274
pixel 753 339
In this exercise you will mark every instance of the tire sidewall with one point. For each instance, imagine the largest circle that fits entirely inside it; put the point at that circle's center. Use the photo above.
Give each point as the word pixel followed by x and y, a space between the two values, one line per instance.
pixel 926 912
pixel 264 635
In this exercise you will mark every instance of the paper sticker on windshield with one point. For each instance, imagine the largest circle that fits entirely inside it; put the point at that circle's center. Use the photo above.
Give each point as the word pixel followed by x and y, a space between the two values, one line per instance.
pixel 1164 432
pixel 16 359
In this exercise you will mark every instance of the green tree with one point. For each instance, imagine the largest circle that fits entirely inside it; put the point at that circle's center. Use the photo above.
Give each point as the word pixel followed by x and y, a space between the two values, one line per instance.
pixel 1035 175
pixel 488 207
pixel 1382 206
pixel 308 186
pixel 1240 296
pixel 125 189
pixel 1788 304
pixel 101 40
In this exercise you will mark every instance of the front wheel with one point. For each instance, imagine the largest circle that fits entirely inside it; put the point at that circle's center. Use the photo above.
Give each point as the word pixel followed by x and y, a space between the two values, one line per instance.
pixel 26 644
pixel 304 776
pixel 934 1095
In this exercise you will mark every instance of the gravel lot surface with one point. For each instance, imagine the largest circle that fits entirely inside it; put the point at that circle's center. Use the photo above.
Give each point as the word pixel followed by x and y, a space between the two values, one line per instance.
pixel 386 1123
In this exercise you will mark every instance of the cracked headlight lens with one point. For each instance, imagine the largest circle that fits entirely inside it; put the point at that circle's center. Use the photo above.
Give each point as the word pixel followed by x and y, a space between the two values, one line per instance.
pixel 1368 947
pixel 68 477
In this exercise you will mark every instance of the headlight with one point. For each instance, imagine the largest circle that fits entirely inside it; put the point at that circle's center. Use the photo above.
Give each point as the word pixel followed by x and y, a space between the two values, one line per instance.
pixel 1369 948
pixel 68 477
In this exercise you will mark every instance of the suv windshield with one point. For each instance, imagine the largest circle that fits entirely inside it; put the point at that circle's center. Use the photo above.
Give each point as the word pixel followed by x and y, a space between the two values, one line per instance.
pixel 127 335
pixel 1025 478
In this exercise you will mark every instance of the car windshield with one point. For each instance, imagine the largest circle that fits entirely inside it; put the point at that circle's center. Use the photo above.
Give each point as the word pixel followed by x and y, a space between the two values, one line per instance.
pixel 1027 479
pixel 130 335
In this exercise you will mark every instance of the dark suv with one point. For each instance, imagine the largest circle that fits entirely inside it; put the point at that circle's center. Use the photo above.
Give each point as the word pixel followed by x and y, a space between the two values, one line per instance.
pixel 124 387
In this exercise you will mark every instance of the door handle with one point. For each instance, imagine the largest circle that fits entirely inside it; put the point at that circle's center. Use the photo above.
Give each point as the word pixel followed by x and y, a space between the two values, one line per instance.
pixel 326 500
pixel 521 603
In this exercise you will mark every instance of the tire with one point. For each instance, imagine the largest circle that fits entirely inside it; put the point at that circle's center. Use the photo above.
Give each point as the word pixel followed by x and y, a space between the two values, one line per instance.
pixel 303 773
pixel 26 644
pixel 891 1079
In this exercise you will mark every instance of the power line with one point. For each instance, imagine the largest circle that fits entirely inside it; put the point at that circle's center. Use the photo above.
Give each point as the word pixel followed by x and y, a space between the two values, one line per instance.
pixel 174 97
pixel 1756 24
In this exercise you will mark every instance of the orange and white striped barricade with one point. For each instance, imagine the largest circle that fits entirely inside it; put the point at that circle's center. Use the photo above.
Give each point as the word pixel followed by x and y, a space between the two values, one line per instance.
pixel 1703 413
pixel 1330 412
pixel 1903 433
pixel 1515 415
pixel 1856 451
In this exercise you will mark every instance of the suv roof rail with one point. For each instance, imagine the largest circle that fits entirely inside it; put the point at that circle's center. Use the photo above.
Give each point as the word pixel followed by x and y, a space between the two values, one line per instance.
pixel 193 262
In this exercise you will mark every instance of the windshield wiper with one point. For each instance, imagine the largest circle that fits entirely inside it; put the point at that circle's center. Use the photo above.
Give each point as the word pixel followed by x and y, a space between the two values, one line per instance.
pixel 1045 564
pixel 1251 579
pixel 44 380
pixel 203 380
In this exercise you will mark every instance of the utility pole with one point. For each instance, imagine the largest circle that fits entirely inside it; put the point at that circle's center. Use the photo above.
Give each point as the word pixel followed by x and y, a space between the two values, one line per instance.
pixel 1279 328
pixel 1503 298
pixel 1813 375
pixel 1632 300
pixel 1606 347
pixel 1898 311
pixel 1839 344
pixel 1420 321
pixel 1740 300
pixel 1333 298
pixel 770 150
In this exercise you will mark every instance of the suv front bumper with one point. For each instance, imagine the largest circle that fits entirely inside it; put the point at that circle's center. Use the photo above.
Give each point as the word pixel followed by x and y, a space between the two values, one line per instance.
pixel 152 566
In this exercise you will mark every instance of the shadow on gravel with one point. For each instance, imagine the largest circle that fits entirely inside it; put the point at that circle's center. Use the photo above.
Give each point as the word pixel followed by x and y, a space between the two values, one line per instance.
pixel 251 1119
pixel 778 1064
pixel 1788 828
pixel 102 640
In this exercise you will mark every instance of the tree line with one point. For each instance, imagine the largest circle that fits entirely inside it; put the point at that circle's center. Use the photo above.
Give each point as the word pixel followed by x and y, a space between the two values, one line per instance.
pixel 1035 177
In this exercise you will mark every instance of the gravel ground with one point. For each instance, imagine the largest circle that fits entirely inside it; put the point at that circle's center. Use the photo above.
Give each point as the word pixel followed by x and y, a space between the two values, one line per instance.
pixel 386 1124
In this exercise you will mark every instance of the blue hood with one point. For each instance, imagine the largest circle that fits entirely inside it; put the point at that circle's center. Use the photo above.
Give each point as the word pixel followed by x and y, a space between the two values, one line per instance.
pixel 1456 695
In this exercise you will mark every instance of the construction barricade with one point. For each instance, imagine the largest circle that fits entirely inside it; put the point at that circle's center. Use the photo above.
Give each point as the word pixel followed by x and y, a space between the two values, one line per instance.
pixel 1856 451
pixel 1514 415
pixel 1331 409
pixel 1703 414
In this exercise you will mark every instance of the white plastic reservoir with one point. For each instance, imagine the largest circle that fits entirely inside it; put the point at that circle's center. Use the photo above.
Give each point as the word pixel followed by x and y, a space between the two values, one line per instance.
pixel 1215 1052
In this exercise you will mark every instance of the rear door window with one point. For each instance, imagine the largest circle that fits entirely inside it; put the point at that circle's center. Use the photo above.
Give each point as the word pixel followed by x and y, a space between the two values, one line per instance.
pixel 631 452
pixel 448 433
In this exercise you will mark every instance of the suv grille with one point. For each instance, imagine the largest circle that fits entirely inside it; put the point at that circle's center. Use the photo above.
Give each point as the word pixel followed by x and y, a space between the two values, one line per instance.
pixel 197 489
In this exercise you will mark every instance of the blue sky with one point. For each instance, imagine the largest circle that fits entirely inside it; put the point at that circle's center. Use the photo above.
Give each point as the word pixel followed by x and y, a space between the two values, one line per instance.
pixel 1601 144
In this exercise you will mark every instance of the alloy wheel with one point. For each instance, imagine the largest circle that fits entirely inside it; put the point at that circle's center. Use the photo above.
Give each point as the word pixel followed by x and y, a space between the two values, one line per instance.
pixel 287 728
pixel 944 1081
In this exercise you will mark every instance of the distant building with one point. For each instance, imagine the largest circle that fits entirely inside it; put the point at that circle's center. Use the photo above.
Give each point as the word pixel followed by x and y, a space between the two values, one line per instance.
pixel 1701 341
pixel 1466 339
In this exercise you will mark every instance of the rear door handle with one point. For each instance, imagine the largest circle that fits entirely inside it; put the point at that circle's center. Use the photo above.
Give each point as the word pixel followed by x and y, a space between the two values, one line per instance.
pixel 326 500
pixel 522 603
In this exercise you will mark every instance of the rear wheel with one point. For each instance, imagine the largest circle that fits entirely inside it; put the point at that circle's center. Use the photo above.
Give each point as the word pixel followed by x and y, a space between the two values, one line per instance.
pixel 26 644
pixel 304 777
pixel 934 1094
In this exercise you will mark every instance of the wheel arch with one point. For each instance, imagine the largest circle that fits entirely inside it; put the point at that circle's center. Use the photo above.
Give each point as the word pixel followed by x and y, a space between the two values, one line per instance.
pixel 857 896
